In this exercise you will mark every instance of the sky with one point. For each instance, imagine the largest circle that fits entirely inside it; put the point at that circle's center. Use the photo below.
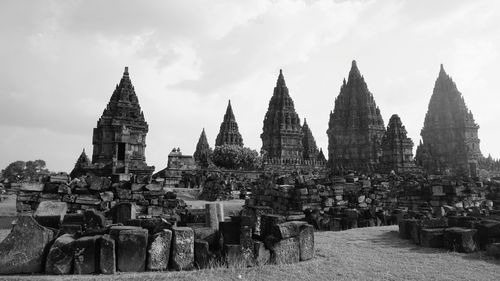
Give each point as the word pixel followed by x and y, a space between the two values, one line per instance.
pixel 60 62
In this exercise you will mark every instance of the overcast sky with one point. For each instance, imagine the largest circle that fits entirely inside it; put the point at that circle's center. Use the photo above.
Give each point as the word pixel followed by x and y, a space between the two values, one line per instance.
pixel 62 59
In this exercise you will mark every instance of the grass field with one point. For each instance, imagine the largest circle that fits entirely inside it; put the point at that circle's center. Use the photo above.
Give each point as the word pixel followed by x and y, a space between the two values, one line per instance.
pixel 374 253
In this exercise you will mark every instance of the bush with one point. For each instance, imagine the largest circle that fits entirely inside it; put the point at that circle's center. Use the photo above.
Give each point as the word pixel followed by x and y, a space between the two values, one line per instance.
pixel 236 157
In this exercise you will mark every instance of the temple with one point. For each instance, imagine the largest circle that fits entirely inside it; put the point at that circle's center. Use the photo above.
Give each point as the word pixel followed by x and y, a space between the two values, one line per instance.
pixel 450 143
pixel 356 128
pixel 397 149
pixel 119 139
pixel 282 133
pixel 310 151
pixel 203 151
pixel 229 133
pixel 81 165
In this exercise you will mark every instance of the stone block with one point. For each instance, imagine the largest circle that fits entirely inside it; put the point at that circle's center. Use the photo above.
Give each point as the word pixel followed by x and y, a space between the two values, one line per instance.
pixel 32 186
pixel 86 254
pixel 159 250
pixel 182 257
pixel 107 255
pixel 414 228
pixel 123 212
pixel 306 242
pixel 234 256
pixel 488 232
pixel 153 225
pixel 493 250
pixel 462 240
pixel 131 250
pixel 432 237
pixel 261 254
pixel 405 227
pixel 201 254
pixel 286 251
pixel 246 243
pixel 60 257
pixel 22 251
pixel 287 229
pixel 212 236
pixel 50 214
pixel 267 223
pixel 212 218
pixel 94 221
pixel 230 232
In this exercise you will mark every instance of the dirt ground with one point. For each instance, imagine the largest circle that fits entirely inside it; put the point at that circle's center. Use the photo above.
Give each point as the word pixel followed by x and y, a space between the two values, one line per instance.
pixel 375 253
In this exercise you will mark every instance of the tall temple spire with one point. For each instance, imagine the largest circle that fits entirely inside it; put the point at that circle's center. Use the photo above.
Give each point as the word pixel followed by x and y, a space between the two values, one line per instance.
pixel 229 133
pixel 203 151
pixel 310 151
pixel 356 127
pixel 449 137
pixel 281 133
pixel 82 163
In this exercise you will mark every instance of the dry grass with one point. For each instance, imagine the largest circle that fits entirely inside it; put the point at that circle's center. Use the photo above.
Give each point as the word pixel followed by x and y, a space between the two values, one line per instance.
pixel 360 254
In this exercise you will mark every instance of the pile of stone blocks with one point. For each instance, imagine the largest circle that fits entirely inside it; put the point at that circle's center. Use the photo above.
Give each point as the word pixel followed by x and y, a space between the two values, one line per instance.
pixel 457 233
pixel 54 241
pixel 98 193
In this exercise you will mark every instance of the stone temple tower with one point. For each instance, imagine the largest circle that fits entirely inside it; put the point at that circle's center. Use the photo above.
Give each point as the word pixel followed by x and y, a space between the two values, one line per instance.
pixel 282 134
pixel 119 139
pixel 397 148
pixel 356 128
pixel 450 144
pixel 229 133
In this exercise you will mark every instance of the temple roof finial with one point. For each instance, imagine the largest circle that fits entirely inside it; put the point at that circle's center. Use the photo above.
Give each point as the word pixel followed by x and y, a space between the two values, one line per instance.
pixel 354 72
pixel 281 79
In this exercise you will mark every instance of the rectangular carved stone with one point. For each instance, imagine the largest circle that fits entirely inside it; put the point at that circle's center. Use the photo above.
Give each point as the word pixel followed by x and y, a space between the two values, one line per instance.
pixel 107 255
pixel 159 250
pixel 182 248
pixel 306 242
pixel 461 239
pixel 60 256
pixel 201 254
pixel 432 237
pixel 286 251
pixel 131 250
pixel 261 254
pixel 86 254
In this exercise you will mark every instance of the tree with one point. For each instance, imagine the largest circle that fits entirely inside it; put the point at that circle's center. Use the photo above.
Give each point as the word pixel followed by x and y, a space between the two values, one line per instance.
pixel 236 157
pixel 19 171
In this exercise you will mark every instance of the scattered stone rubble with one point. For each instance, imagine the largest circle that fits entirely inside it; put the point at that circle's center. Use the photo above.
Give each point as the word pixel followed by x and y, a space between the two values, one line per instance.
pixel 98 193
pixel 44 244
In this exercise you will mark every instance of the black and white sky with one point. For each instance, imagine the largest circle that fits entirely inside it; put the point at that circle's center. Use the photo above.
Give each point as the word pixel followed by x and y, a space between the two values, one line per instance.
pixel 62 59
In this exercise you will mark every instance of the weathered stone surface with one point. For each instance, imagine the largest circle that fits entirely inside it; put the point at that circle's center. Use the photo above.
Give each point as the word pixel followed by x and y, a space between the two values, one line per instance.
pixel 212 236
pixel 414 228
pixel 310 149
pixel 131 250
pixel 286 251
pixel 432 237
pixel 50 213
pixel 246 242
pixel 32 186
pixel 159 250
pixel 488 232
pixel 123 212
pixel 268 222
pixel 234 256
pixel 228 132
pixel 212 218
pixel 60 256
pixel 306 242
pixel 405 228
pixel 114 230
pixel 182 257
pixel 356 128
pixel 461 239
pixel 107 255
pixel 449 136
pixel 86 254
pixel 23 249
pixel 94 221
pixel 201 254
pixel 493 250
pixel 287 229
pixel 153 225
pixel 261 254
pixel 230 232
